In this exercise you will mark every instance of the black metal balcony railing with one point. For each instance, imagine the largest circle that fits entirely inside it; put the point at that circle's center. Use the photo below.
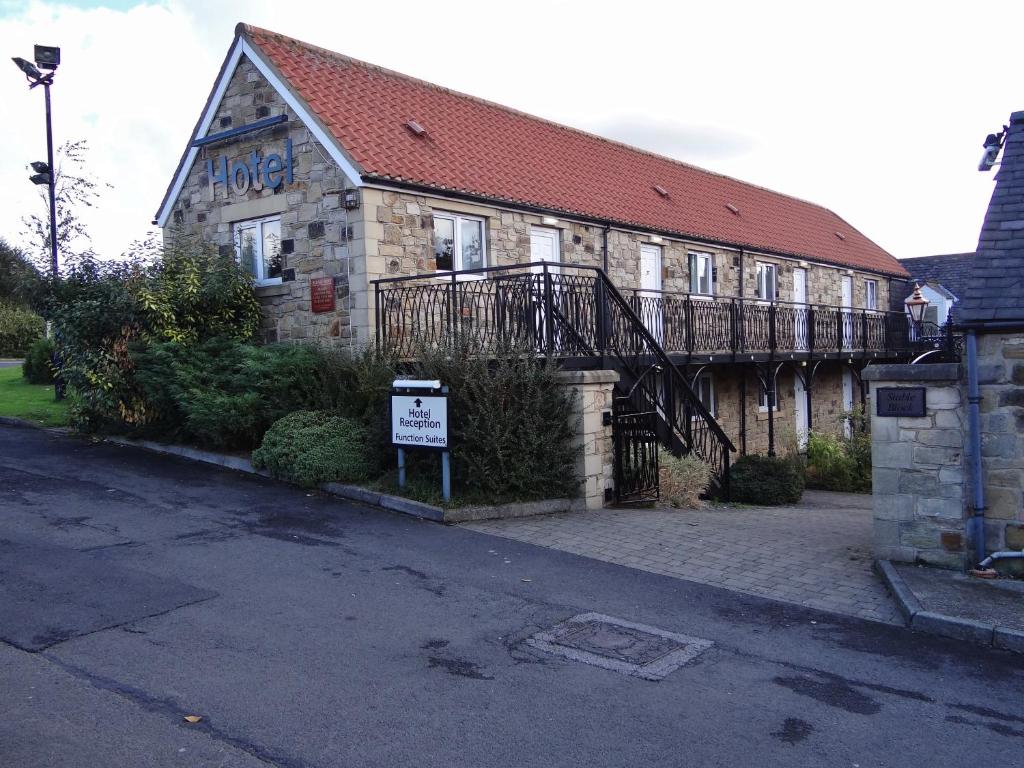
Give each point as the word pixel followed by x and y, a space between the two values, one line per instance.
pixel 558 310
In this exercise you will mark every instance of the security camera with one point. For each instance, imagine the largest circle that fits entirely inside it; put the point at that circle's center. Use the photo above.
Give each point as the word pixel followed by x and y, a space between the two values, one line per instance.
pixel 993 143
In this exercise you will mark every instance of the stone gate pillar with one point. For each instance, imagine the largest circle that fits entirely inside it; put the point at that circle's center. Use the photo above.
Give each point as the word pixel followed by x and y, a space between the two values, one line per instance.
pixel 919 470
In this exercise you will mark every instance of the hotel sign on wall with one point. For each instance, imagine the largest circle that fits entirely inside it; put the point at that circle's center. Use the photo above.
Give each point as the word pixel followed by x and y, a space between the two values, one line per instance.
pixel 255 172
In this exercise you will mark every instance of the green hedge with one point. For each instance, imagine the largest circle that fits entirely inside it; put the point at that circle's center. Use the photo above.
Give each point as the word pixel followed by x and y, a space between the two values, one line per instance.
pixel 313 447
pixel 19 328
pixel 766 480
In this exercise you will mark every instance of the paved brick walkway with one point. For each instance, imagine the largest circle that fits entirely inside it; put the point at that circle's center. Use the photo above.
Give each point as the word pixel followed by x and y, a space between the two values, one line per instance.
pixel 817 553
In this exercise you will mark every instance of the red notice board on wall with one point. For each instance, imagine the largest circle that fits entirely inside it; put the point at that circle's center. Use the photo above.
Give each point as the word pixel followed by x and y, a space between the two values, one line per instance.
pixel 321 294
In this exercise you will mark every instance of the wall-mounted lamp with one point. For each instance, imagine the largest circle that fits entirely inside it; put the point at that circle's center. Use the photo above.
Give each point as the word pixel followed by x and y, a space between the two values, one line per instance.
pixel 350 199
pixel 549 221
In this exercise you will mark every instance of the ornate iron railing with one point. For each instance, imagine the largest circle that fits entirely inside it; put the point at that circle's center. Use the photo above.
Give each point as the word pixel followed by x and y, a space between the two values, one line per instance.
pixel 693 324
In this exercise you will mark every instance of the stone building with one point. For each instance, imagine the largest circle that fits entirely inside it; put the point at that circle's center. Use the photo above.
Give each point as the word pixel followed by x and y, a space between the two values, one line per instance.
pixel 991 313
pixel 324 175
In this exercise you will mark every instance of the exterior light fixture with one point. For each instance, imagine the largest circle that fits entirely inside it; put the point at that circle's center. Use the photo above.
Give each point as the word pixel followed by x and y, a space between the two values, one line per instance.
pixel 549 221
pixel 350 200
pixel 42 173
pixel 916 305
pixel 28 68
pixel 47 56
pixel 654 238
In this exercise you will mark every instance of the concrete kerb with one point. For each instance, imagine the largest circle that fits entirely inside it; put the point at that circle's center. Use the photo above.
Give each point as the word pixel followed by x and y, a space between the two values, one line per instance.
pixel 929 622
pixel 363 495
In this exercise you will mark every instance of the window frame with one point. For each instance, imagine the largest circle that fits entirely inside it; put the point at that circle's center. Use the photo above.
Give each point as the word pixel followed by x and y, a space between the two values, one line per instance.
pixel 708 378
pixel 760 280
pixel 871 294
pixel 259 278
pixel 762 396
pixel 694 258
pixel 456 219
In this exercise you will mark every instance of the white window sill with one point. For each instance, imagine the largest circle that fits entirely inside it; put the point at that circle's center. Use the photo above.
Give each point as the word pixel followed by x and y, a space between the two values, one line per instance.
pixel 270 281
pixel 447 276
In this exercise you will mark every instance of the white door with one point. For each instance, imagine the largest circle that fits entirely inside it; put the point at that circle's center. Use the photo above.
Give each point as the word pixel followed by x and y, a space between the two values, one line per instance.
pixel 847 399
pixel 800 334
pixel 800 410
pixel 544 247
pixel 846 285
pixel 650 299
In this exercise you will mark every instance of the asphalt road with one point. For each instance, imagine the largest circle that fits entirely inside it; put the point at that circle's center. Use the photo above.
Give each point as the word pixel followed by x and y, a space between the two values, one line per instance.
pixel 305 631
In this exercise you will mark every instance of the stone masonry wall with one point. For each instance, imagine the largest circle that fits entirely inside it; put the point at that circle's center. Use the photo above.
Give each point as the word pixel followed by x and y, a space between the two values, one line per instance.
pixel 595 463
pixel 320 239
pixel 918 469
pixel 1001 376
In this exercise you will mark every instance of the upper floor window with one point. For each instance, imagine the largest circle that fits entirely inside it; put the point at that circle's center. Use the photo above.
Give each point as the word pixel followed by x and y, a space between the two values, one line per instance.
pixel 458 242
pixel 767 281
pixel 871 294
pixel 701 273
pixel 258 245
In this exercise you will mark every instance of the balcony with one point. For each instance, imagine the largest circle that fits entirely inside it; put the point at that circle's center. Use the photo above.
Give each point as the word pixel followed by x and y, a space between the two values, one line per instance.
pixel 563 311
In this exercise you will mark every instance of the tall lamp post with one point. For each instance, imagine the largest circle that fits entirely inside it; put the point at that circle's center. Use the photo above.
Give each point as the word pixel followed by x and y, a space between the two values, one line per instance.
pixel 47 58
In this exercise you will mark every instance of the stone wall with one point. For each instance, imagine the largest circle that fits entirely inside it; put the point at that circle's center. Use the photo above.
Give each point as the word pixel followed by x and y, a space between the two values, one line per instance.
pixel 918 469
pixel 318 236
pixel 1001 376
pixel 595 464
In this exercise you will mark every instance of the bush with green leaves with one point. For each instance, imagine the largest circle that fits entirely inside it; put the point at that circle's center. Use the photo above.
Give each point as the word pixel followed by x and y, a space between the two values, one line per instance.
pixel 313 447
pixel 19 328
pixel 38 365
pixel 841 460
pixel 683 479
pixel 222 393
pixel 765 480
pixel 186 292
pixel 509 425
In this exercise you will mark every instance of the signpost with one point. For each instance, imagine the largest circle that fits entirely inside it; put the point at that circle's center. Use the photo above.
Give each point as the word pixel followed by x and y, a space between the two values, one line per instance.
pixel 419 419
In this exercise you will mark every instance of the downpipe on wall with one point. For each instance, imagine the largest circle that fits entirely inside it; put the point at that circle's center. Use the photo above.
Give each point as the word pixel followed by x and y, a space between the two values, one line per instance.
pixel 974 451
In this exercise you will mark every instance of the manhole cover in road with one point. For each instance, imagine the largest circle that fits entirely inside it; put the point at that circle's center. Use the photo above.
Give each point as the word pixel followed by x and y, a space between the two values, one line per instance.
pixel 633 649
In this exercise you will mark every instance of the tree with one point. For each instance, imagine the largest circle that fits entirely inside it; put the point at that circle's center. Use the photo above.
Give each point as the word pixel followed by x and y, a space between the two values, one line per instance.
pixel 75 190
pixel 20 281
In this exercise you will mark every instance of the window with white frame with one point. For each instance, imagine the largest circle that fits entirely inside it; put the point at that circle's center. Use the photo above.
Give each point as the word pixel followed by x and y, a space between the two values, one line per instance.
pixel 702 273
pixel 258 245
pixel 458 242
pixel 767 281
pixel 704 389
pixel 763 399
pixel 871 294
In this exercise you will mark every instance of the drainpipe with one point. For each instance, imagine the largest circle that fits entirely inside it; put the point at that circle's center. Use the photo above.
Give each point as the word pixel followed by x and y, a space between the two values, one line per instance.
pixel 604 252
pixel 974 444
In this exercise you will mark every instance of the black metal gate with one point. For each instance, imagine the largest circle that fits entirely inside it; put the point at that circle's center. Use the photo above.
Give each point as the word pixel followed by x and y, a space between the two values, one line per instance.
pixel 636 454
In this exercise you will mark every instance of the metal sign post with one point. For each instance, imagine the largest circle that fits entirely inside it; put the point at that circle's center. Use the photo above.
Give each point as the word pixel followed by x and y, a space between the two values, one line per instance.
pixel 419 419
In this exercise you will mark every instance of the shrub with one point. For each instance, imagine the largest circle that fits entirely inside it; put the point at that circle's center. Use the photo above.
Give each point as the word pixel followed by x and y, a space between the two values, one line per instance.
pixel 508 424
pixel 38 368
pixel 838 463
pixel 765 480
pixel 313 447
pixel 683 479
pixel 222 393
pixel 19 328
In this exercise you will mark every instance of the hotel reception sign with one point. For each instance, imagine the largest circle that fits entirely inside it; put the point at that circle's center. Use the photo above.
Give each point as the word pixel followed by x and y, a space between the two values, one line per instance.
pixel 419 421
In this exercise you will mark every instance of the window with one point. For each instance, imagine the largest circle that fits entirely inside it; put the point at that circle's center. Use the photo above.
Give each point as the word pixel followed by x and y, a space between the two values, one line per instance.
pixel 704 388
pixel 871 294
pixel 763 398
pixel 258 244
pixel 702 273
pixel 458 242
pixel 767 281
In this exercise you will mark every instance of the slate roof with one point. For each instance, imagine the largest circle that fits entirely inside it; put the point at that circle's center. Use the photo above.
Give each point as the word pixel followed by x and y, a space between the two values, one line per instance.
pixel 995 289
pixel 479 149
pixel 950 270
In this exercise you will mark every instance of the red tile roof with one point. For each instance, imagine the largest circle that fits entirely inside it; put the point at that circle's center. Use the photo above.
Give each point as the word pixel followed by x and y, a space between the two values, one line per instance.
pixel 475 147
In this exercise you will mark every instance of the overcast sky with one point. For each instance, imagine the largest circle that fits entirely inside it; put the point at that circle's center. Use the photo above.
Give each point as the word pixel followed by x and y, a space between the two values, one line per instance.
pixel 876 110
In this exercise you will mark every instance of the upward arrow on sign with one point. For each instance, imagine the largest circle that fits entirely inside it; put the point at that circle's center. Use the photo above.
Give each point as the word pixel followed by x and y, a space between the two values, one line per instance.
pixel 418 402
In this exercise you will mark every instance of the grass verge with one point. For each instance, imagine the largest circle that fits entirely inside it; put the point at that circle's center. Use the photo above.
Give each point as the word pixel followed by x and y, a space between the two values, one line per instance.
pixel 31 402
